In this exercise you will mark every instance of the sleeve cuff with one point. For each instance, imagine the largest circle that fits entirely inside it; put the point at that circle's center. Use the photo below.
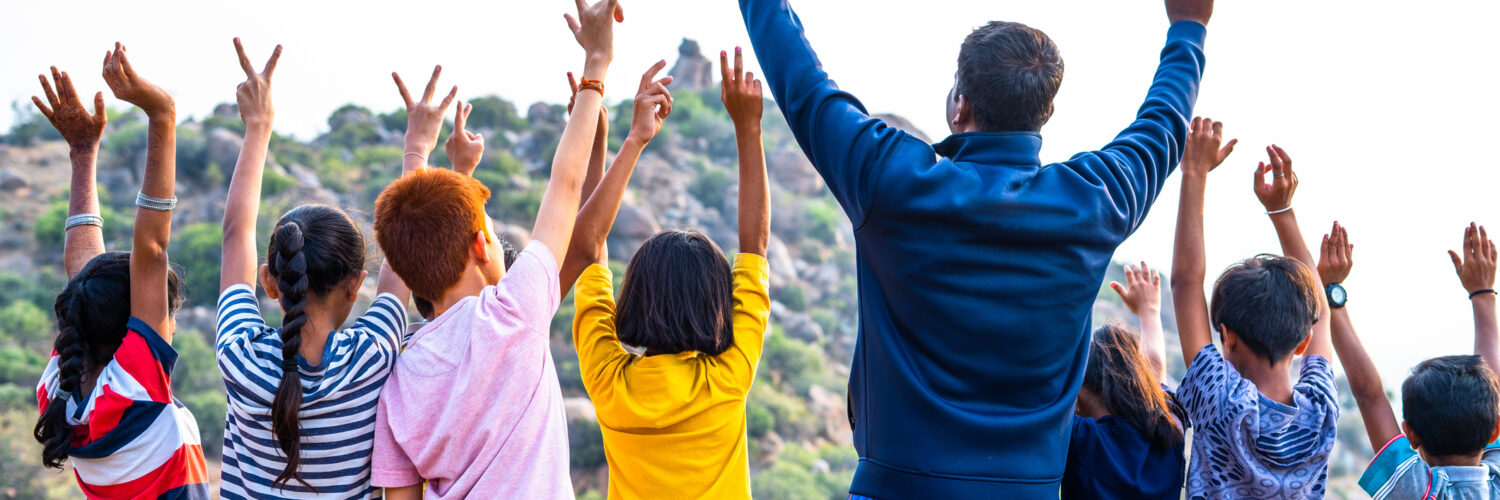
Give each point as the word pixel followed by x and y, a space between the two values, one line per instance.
pixel 390 478
pixel 753 263
pixel 1188 31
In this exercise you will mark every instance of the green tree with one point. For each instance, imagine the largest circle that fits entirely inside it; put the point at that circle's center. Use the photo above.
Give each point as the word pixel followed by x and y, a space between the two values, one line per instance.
pixel 26 323
pixel 196 250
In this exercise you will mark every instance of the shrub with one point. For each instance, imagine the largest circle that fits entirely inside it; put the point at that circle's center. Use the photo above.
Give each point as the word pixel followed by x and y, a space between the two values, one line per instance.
pixel 712 187
pixel 794 297
pixel 196 249
pixel 21 367
pixel 585 443
pixel 825 221
pixel 273 182
pixel 25 322
pixel 785 481
pixel 491 112
pixel 759 419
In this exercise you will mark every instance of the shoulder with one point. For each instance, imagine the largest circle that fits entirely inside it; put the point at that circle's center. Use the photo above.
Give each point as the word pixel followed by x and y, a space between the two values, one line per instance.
pixel 1316 379
pixel 1396 472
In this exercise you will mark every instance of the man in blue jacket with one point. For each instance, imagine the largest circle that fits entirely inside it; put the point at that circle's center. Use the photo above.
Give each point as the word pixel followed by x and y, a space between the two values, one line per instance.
pixel 978 265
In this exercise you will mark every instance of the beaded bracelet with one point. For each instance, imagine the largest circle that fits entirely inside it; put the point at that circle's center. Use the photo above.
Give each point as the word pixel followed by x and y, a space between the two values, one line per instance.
pixel 83 220
pixel 594 85
pixel 153 203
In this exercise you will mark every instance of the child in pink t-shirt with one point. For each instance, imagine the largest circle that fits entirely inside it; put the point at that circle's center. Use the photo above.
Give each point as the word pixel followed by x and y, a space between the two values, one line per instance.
pixel 473 407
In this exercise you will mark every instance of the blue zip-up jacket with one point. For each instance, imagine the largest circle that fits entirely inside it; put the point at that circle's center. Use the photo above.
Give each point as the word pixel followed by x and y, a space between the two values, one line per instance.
pixel 978 267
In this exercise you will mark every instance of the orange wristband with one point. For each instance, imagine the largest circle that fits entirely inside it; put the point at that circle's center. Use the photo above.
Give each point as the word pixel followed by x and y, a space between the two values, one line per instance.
pixel 594 85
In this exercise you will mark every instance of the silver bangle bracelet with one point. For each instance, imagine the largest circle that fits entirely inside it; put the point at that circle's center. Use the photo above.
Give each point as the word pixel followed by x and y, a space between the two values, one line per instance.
pixel 153 203
pixel 416 154
pixel 1284 210
pixel 83 220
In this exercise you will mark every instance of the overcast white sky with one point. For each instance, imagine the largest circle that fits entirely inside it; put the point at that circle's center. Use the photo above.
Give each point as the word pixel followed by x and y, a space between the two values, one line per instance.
pixel 1385 105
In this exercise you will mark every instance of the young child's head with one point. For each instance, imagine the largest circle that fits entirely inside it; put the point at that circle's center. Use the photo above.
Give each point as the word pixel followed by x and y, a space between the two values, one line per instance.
pixel 1264 307
pixel 316 259
pixel 432 227
pixel 1120 380
pixel 1451 407
pixel 677 296
pixel 92 312
pixel 424 306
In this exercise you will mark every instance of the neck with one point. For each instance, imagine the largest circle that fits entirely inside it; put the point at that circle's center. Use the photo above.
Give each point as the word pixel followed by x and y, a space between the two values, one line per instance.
pixel 1455 460
pixel 469 284
pixel 1274 380
pixel 315 334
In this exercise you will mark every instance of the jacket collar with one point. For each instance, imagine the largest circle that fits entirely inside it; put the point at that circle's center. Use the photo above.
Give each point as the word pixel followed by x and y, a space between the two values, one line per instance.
pixel 993 148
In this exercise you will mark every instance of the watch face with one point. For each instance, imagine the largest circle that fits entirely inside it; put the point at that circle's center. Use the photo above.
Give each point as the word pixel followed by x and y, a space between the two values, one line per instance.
pixel 1337 296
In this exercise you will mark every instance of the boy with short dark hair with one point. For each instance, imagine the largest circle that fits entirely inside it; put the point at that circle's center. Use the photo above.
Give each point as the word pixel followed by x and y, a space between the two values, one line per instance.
pixel 1445 448
pixel 1257 432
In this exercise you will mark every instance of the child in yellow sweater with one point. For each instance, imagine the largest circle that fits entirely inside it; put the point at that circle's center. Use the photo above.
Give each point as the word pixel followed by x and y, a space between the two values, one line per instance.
pixel 673 418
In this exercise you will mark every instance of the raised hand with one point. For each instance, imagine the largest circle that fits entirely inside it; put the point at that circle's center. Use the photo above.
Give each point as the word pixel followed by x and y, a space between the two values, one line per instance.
pixel 67 114
pixel 594 30
pixel 1190 10
pixel 1276 196
pixel 653 102
pixel 1476 266
pixel 1336 257
pixel 464 148
pixel 1202 153
pixel 254 95
pixel 423 119
pixel 1142 290
pixel 740 91
pixel 130 87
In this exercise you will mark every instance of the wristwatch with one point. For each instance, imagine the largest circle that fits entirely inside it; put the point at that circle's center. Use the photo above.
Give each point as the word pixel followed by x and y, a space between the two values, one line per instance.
pixel 1337 296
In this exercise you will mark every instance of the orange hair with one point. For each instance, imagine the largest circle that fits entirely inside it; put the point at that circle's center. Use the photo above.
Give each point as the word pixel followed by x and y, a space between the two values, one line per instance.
pixel 425 222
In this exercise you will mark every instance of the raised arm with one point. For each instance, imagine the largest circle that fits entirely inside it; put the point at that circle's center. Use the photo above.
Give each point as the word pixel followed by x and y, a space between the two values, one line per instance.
pixel 243 203
pixel 847 146
pixel 1276 197
pixel 1335 261
pixel 1137 162
pixel 653 103
pixel 598 153
pixel 1143 297
pixel 594 30
pixel 742 98
pixel 83 232
pixel 153 218
pixel 424 120
pixel 1201 155
pixel 1476 270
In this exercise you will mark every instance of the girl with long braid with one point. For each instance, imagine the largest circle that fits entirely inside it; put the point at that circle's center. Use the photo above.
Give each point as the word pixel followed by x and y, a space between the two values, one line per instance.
pixel 301 397
pixel 106 396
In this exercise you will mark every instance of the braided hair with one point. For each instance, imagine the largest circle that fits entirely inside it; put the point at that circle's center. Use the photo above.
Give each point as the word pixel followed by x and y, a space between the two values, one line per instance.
pixel 92 312
pixel 313 249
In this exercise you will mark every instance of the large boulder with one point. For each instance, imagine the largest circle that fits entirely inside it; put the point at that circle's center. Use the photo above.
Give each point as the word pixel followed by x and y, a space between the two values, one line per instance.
pixel 635 222
pixel 11 180
pixel 831 412
pixel 791 169
pixel 224 149
pixel 692 71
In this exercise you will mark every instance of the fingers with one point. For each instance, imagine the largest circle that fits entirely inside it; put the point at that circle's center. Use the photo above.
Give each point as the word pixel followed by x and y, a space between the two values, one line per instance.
pixel 65 88
pixel 1325 250
pixel 650 74
pixel 432 84
pixel 724 78
pixel 739 65
pixel 572 83
pixel 1278 169
pixel 1119 290
pixel 1155 278
pixel 448 100
pixel 1458 264
pixel 1260 177
pixel 619 12
pixel 271 63
pixel 405 97
pixel 244 60
pixel 1286 160
pixel 42 107
pixel 47 89
pixel 1218 130
pixel 573 24
pixel 125 69
pixel 581 6
pixel 99 114
pixel 460 115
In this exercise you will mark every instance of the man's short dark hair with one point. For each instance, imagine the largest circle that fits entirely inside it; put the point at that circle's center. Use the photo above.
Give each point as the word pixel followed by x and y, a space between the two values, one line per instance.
pixel 1269 301
pixel 1451 403
pixel 1009 72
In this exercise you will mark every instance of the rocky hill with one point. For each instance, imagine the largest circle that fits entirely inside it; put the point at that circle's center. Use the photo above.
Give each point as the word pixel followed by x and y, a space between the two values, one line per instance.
pixel 800 434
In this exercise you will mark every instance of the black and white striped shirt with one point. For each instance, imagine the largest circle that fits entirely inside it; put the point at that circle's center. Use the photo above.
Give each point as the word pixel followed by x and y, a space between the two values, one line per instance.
pixel 338 400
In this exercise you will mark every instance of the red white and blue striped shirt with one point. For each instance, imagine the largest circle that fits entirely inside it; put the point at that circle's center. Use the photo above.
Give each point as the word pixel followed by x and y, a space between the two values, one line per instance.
pixel 131 438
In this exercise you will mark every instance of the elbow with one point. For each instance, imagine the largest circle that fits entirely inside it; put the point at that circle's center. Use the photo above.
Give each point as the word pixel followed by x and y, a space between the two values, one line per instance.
pixel 1184 281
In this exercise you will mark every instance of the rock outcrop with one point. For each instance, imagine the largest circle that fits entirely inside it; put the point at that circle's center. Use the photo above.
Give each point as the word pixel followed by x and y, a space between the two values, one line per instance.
pixel 692 71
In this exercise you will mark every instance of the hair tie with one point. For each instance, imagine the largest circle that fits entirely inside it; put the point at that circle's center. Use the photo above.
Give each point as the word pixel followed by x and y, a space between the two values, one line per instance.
pixel 289 364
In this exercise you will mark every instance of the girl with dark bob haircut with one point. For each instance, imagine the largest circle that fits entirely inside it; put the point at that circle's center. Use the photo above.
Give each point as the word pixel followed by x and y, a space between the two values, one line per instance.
pixel 673 417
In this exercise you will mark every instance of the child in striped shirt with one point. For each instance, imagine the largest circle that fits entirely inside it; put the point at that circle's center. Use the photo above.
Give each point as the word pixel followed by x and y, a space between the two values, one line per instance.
pixel 302 397
pixel 673 418
pixel 106 395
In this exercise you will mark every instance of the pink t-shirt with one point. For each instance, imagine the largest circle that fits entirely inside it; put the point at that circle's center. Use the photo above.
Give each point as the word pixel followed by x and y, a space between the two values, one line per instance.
pixel 473 405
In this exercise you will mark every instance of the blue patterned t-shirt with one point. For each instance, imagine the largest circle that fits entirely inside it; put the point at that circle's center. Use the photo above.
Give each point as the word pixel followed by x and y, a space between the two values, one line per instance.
pixel 1247 446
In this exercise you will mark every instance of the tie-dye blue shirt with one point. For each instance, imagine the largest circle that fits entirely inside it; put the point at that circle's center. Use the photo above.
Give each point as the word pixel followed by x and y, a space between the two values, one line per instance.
pixel 1247 446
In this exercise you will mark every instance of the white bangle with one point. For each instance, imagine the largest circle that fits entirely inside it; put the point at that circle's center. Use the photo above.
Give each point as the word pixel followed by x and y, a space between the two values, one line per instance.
pixel 153 203
pixel 83 220
pixel 416 154
pixel 1284 210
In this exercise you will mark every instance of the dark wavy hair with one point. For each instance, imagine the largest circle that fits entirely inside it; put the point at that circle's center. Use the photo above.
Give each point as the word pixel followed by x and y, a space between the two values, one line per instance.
pixel 1452 403
pixel 677 296
pixel 1009 72
pixel 1269 301
pixel 313 249
pixel 1129 389
pixel 92 312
